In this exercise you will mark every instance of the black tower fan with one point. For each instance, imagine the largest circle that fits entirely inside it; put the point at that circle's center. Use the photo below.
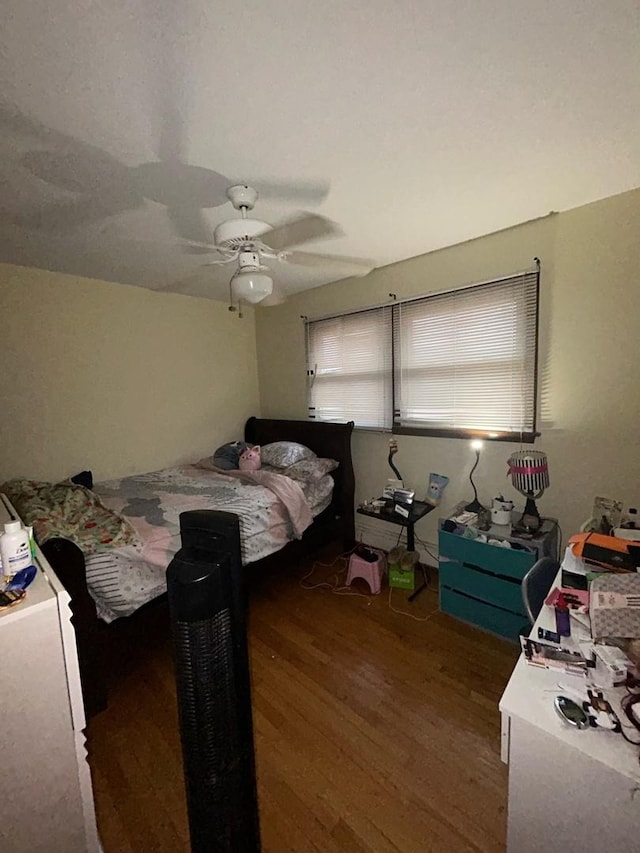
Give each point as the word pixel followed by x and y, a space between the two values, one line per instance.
pixel 208 616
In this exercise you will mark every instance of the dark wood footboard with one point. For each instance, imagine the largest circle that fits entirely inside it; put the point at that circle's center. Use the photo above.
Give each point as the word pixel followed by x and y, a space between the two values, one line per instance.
pixel 67 561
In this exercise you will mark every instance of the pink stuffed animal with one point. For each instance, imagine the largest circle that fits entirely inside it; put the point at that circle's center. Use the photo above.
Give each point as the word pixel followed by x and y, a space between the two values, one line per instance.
pixel 250 460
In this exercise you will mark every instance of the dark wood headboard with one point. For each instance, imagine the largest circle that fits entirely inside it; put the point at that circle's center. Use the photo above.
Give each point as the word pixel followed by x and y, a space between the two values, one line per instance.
pixel 332 441
pixel 328 440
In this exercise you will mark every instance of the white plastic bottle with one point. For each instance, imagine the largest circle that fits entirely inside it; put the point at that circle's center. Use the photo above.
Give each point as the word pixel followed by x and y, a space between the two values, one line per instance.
pixel 14 547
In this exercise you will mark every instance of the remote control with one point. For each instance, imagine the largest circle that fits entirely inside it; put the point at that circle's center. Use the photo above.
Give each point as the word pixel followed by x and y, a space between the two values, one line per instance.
pixel 543 634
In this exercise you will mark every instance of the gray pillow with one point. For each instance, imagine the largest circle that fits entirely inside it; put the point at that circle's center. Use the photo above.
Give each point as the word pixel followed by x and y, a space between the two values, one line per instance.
pixel 310 469
pixel 281 454
pixel 227 456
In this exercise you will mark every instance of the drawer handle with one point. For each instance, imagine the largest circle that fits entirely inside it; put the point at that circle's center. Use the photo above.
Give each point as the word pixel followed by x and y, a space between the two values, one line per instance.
pixel 491 574
pixel 477 568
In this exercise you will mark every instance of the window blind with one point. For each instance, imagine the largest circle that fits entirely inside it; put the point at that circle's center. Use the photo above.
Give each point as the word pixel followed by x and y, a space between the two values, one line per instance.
pixel 466 361
pixel 349 361
pixel 456 364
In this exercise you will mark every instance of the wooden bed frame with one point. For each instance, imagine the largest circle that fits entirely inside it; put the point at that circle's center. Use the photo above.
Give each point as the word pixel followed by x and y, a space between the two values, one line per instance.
pixel 334 524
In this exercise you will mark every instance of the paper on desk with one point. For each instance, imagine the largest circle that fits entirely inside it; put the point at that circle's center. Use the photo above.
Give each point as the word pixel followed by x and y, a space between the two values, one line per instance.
pixel 580 624
pixel 572 563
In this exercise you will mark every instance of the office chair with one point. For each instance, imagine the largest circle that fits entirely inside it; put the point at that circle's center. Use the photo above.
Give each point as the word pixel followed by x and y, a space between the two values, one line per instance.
pixel 536 585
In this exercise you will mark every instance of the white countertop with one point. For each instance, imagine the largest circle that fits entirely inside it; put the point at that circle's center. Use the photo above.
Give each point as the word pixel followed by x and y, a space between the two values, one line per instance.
pixel 530 693
pixel 39 591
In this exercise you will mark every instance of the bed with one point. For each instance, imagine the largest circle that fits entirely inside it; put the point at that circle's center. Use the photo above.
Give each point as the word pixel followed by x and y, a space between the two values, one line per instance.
pixel 84 575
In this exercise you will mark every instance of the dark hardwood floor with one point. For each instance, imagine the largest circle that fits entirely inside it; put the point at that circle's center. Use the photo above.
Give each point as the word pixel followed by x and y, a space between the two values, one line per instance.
pixel 374 732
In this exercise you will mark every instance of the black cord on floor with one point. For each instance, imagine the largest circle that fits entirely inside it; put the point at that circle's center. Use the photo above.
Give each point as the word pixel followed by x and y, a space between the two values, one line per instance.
pixel 426 546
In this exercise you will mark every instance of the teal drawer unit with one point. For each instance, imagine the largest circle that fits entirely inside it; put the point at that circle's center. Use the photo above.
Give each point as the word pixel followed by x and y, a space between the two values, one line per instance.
pixel 495 619
pixel 481 583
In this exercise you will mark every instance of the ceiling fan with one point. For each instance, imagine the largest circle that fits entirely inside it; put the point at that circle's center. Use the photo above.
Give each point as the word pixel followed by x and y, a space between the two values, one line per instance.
pixel 96 185
pixel 91 185
pixel 247 242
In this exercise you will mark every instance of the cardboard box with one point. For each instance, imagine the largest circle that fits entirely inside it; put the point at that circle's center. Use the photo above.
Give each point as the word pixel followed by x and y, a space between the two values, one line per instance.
pixel 401 580
pixel 615 605
pixel 611 667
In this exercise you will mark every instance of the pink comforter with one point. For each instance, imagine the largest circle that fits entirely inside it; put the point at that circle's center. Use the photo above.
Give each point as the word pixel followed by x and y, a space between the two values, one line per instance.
pixel 284 488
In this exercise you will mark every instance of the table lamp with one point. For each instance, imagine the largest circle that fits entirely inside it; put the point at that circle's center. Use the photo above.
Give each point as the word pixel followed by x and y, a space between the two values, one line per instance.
pixel 475 505
pixel 530 476
pixel 393 449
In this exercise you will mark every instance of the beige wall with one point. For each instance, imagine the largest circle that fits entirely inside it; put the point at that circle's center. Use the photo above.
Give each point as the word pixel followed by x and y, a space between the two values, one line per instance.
pixel 590 365
pixel 116 378
pixel 120 379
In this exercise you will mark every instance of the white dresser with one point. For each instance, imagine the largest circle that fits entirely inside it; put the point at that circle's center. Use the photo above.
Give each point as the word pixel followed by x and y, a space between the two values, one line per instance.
pixel 569 790
pixel 46 799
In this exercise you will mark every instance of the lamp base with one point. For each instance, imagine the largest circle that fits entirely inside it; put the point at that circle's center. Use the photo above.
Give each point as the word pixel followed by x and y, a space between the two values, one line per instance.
pixel 530 519
pixel 474 506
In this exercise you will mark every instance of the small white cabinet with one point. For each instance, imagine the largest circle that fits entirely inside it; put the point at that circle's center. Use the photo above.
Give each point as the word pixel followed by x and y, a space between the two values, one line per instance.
pixel 46 799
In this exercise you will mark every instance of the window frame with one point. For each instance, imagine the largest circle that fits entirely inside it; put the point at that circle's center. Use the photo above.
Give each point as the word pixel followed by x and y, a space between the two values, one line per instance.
pixel 385 376
pixel 523 436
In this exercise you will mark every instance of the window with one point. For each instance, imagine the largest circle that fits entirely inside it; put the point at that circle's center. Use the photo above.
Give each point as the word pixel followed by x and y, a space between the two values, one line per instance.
pixel 453 364
pixel 349 366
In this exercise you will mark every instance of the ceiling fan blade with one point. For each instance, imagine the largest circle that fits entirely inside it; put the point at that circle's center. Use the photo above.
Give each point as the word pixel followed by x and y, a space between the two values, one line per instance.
pixel 351 266
pixel 218 262
pixel 82 169
pixel 308 226
pixel 221 255
pixel 72 214
pixel 198 249
pixel 177 184
pixel 30 131
pixel 67 162
pixel 190 223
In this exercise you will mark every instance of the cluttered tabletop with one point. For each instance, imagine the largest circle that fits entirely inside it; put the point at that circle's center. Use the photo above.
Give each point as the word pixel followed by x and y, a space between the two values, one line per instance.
pixel 579 673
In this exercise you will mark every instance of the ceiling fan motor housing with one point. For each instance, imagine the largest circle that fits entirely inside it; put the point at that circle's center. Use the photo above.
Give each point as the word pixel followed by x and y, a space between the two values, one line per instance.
pixel 234 233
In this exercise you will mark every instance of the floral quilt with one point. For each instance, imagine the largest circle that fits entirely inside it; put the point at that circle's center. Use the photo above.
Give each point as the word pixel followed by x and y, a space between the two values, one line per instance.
pixel 129 529
pixel 71 511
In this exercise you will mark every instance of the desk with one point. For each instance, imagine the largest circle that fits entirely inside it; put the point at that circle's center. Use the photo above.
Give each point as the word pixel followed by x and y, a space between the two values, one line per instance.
pixel 417 511
pixel 569 790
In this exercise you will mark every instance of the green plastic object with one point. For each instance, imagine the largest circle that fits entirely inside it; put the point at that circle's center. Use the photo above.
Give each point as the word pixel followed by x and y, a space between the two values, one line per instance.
pixel 401 580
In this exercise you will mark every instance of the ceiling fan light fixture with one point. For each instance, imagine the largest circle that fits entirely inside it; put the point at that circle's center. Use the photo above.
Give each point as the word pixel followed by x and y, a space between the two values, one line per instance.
pixel 251 286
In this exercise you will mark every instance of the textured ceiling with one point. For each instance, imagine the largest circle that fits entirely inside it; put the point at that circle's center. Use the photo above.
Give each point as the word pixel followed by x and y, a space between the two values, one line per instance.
pixel 431 122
